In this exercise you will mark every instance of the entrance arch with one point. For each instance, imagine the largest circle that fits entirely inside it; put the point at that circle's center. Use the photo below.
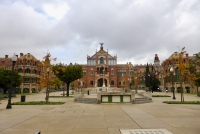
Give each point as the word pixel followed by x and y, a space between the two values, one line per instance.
pixel 100 82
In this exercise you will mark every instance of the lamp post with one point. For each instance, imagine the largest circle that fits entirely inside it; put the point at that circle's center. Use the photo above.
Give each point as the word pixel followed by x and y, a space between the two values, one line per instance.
pixel 172 71
pixel 47 92
pixel 81 85
pixel 78 84
pixel 9 106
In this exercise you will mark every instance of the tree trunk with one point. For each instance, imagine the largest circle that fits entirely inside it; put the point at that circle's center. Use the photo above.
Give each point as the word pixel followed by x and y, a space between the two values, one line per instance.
pixel 197 90
pixel 68 89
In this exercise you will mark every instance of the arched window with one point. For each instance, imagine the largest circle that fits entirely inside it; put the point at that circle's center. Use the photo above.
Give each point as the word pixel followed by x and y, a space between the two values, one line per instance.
pixel 91 83
pixel 27 71
pixel 101 60
pixel 20 71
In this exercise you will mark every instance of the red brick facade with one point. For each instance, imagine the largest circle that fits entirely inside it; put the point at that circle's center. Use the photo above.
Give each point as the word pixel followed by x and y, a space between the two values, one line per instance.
pixel 102 66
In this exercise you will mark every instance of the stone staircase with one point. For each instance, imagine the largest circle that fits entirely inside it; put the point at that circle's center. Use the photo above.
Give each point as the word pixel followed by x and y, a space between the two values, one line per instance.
pixel 142 100
pixel 86 100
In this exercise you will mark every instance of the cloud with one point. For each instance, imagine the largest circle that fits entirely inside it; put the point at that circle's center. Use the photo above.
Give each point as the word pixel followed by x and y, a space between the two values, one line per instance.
pixel 56 11
pixel 134 30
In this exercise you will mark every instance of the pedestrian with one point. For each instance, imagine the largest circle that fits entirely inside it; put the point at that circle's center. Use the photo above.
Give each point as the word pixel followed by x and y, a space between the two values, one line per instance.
pixel 166 90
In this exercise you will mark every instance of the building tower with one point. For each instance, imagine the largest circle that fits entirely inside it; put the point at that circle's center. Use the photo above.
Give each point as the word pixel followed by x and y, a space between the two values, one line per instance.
pixel 156 60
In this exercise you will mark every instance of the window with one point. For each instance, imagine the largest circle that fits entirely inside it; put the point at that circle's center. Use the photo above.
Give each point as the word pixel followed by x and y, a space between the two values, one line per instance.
pixel 27 71
pixel 84 73
pixel 131 73
pixel 101 60
pixel 112 83
pixel 91 71
pixel 33 80
pixel 20 63
pixel 20 71
pixel 112 71
pixel 26 80
pixel 34 71
pixel 91 83
pixel 121 73
pixel 28 63
pixel 122 83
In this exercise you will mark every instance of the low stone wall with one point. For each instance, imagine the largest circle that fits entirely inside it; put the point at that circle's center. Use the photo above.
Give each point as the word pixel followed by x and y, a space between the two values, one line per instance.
pixel 146 94
pixel 99 94
pixel 78 95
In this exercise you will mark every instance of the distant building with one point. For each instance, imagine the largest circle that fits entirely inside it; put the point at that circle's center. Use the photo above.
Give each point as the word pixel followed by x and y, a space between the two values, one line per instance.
pixel 33 71
pixel 174 76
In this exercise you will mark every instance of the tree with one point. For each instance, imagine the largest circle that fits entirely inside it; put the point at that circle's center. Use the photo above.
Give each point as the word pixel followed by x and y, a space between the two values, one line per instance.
pixel 5 79
pixel 68 73
pixel 155 83
pixel 182 68
pixel 150 77
pixel 56 82
pixel 146 76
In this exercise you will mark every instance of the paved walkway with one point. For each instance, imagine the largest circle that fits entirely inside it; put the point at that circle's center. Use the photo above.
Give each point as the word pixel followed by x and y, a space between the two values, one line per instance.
pixel 77 118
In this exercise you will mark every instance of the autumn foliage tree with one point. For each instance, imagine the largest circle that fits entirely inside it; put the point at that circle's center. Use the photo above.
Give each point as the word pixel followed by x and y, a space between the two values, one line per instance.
pixel 56 82
pixel 183 69
pixel 194 68
pixel 68 73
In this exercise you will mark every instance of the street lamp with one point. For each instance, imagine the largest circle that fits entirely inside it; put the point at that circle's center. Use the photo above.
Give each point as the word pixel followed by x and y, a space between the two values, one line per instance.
pixel 9 106
pixel 172 71
pixel 47 92
pixel 78 84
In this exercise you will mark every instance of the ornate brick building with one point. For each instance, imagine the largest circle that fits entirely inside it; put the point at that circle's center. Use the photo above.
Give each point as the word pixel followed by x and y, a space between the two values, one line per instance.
pixel 33 71
pixel 102 70
pixel 174 78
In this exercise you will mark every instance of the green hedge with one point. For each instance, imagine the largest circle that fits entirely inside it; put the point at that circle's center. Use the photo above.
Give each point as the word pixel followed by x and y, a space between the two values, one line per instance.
pixel 179 102
pixel 161 96
pixel 2 96
pixel 198 94
pixel 37 103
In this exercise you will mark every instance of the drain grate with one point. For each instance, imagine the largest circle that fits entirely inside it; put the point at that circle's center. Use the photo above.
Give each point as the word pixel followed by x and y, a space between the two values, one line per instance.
pixel 145 131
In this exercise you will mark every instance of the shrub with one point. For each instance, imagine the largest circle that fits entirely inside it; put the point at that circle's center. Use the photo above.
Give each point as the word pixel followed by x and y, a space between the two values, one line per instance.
pixel 161 96
pixel 179 102
pixel 2 96
pixel 198 94
pixel 52 90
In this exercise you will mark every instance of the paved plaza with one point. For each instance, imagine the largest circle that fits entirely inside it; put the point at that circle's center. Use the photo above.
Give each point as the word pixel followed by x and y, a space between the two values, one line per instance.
pixel 79 118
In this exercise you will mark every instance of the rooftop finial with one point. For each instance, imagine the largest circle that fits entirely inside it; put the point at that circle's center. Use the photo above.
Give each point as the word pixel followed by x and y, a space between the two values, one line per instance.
pixel 101 46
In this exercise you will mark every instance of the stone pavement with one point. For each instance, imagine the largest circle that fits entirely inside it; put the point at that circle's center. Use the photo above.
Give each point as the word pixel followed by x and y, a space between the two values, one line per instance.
pixel 78 118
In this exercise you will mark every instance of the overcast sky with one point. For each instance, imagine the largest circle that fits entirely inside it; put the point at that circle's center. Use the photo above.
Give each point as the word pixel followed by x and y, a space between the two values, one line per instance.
pixel 134 30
